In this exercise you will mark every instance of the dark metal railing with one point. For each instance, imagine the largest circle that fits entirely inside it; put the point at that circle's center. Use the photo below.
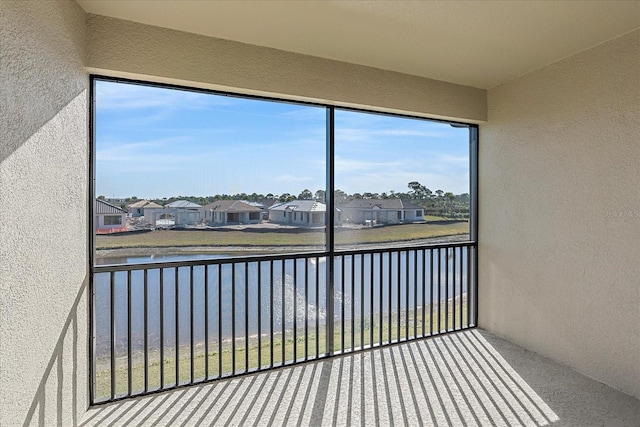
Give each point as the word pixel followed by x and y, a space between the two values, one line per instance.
pixel 162 326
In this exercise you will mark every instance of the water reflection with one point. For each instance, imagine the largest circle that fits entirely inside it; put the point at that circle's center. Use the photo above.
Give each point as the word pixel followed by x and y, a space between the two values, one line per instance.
pixel 261 294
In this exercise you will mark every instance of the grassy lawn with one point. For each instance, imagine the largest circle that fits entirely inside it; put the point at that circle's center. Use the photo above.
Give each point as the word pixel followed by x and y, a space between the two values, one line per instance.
pixel 103 376
pixel 285 237
pixel 435 218
pixel 400 233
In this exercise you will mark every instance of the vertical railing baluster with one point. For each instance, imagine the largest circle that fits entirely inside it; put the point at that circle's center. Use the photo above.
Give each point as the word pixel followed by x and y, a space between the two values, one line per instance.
pixel 439 288
pixel 259 314
pixel 390 262
pixel 317 307
pixel 284 313
pixel 129 355
pixel 93 326
pixel 415 294
pixel 330 298
pixel 406 294
pixel 112 280
pixel 233 318
pixel 475 284
pixel 468 285
pixel 219 320
pixel 453 283
pixel 399 313
pixel 206 322
pixel 431 293
pixel 246 317
pixel 372 291
pixel 424 291
pixel 381 303
pixel 161 272
pixel 177 325
pixel 295 310
pixel 461 280
pixel 352 299
pixel 446 291
pixel 306 309
pixel 271 331
pixel 191 341
pixel 342 301
pixel 362 301
pixel 146 330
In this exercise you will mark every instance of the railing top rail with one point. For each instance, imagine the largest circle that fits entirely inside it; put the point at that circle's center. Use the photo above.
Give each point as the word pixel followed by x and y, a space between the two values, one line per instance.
pixel 272 257
pixel 201 262
pixel 404 248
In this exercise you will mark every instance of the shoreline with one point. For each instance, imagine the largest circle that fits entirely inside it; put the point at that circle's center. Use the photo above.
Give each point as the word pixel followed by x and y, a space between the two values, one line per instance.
pixel 248 249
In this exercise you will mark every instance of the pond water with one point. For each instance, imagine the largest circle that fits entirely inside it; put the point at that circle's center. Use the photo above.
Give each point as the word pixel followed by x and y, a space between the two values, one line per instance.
pixel 291 291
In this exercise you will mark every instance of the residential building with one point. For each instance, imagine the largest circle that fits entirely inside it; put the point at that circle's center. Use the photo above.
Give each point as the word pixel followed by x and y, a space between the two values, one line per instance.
pixel 381 211
pixel 109 218
pixel 181 212
pixel 137 209
pixel 309 213
pixel 228 212
pixel 151 212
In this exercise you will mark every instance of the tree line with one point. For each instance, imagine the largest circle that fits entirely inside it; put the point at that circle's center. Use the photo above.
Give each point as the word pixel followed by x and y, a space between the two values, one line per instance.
pixel 436 203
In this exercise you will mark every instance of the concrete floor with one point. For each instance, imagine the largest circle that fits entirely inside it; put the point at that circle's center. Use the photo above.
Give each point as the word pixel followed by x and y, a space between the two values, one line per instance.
pixel 463 379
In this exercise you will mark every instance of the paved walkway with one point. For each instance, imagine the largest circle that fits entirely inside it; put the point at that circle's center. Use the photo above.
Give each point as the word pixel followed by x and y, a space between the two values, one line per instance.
pixel 465 379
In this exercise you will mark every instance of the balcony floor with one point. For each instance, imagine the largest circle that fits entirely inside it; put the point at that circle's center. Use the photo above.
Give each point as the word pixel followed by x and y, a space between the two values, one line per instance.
pixel 466 378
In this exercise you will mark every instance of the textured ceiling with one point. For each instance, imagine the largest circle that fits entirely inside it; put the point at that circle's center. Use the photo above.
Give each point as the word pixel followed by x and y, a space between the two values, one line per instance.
pixel 474 43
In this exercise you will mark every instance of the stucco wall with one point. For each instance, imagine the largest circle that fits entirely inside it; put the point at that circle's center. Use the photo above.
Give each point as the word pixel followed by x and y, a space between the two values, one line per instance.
pixel 43 214
pixel 560 212
pixel 128 49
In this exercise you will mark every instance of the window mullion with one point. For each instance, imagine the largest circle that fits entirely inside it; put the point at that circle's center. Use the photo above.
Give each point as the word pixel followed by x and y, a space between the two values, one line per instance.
pixel 329 226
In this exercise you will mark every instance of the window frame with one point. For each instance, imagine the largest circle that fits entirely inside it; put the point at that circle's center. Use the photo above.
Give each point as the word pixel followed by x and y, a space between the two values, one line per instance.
pixel 330 251
pixel 330 216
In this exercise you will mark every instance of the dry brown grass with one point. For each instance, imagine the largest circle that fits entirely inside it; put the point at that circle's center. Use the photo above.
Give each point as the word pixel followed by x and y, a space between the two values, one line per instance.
pixel 274 237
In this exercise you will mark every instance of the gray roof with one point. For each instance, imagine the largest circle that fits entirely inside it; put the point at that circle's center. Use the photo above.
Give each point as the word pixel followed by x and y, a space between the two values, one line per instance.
pixel 231 206
pixel 103 207
pixel 267 203
pixel 392 204
pixel 183 204
pixel 301 206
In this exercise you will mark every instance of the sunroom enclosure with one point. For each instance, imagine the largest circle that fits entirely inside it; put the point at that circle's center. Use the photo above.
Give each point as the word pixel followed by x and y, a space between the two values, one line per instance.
pixel 162 325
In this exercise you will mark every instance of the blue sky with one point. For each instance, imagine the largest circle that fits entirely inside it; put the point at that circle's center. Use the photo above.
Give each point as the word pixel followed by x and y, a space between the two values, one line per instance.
pixel 155 142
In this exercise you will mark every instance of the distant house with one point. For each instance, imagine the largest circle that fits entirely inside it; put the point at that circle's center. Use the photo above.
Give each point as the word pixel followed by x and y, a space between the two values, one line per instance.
pixel 227 212
pixel 109 218
pixel 182 212
pixel 136 209
pixel 183 204
pixel 381 211
pixel 264 209
pixel 151 212
pixel 300 212
pixel 265 204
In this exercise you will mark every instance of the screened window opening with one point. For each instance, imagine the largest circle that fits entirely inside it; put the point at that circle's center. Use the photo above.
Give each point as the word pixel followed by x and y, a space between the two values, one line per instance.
pixel 236 234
